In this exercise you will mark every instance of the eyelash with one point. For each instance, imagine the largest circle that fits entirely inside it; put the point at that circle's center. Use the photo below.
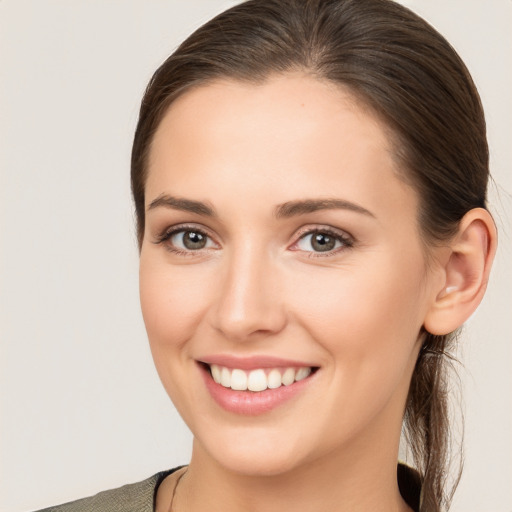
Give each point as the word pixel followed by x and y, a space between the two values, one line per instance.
pixel 345 239
pixel 167 234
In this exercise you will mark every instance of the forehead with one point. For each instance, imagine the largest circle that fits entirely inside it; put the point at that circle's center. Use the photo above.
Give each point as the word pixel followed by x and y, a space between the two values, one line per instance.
pixel 281 108
pixel 292 133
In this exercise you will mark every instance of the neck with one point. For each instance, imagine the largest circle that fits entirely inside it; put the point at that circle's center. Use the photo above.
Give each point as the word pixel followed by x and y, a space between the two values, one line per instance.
pixel 353 480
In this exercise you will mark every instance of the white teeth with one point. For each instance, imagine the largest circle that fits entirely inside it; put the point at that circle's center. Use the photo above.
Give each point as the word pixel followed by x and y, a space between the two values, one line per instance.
pixel 274 379
pixel 225 377
pixel 288 377
pixel 302 373
pixel 239 380
pixel 215 373
pixel 257 380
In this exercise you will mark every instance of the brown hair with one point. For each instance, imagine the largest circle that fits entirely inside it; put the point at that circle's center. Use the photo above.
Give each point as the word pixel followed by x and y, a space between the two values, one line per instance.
pixel 408 74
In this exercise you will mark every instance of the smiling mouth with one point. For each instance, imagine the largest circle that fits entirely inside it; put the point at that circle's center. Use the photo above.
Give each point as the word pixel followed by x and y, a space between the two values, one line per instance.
pixel 259 379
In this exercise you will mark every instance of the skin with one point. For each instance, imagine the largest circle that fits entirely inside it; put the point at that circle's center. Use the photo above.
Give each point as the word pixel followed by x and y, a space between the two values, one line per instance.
pixel 259 288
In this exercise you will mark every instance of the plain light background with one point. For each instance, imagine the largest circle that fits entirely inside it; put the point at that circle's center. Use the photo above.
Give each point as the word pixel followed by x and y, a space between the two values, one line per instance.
pixel 82 409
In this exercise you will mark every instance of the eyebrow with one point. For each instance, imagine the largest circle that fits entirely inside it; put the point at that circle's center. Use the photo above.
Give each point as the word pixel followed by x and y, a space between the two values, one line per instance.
pixel 281 211
pixel 186 205
pixel 295 208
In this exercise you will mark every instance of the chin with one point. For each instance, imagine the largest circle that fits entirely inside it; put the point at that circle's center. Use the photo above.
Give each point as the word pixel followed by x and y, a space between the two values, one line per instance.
pixel 252 464
pixel 253 453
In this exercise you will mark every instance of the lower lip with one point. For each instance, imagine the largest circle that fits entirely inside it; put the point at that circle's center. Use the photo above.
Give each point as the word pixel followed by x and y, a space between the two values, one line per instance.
pixel 249 403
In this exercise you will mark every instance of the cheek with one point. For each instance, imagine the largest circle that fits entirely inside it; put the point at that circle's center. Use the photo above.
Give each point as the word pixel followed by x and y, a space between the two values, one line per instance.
pixel 360 302
pixel 368 317
pixel 172 300
pixel 368 325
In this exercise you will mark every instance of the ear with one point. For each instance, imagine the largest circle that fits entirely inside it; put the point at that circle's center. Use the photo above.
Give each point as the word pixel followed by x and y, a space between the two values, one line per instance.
pixel 467 266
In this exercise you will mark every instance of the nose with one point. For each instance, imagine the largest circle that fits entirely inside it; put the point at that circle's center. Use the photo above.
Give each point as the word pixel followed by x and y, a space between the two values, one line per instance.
pixel 250 299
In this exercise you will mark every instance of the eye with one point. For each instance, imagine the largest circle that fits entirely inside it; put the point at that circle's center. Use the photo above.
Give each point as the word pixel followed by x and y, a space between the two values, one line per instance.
pixel 323 241
pixel 189 240
pixel 185 240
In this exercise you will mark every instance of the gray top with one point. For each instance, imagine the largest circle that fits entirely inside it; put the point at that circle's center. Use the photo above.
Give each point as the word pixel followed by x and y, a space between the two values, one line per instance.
pixel 139 497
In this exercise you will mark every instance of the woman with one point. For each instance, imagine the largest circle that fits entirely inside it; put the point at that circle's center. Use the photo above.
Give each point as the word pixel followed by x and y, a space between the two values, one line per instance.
pixel 310 181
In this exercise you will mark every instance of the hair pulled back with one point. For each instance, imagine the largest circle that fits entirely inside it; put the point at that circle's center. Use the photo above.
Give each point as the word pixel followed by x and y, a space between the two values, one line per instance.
pixel 406 73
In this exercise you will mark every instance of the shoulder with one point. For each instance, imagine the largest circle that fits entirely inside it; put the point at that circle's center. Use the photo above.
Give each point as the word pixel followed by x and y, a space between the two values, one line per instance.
pixel 137 497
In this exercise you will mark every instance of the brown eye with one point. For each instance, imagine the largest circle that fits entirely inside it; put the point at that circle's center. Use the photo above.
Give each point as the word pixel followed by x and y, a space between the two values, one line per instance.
pixel 186 241
pixel 190 240
pixel 323 242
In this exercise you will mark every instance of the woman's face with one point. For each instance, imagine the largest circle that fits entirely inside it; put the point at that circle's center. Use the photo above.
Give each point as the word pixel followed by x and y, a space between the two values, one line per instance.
pixel 280 244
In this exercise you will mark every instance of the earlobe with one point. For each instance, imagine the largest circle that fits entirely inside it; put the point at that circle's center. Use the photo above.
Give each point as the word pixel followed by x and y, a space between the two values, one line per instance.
pixel 466 272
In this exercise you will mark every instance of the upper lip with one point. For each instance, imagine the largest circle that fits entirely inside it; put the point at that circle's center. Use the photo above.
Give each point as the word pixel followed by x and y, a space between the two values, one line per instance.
pixel 252 362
